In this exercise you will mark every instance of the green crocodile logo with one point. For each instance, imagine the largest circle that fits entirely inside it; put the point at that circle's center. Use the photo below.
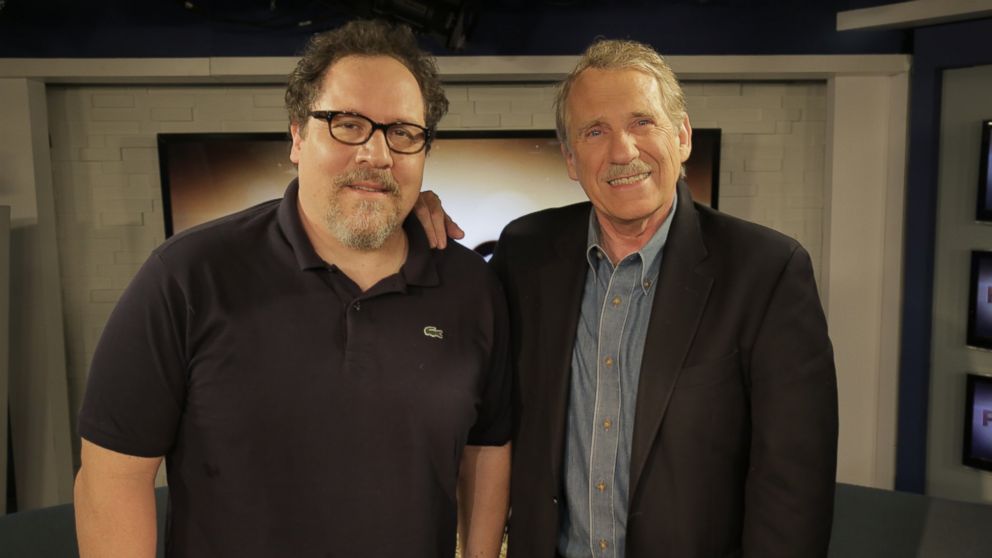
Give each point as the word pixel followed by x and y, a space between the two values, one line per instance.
pixel 431 331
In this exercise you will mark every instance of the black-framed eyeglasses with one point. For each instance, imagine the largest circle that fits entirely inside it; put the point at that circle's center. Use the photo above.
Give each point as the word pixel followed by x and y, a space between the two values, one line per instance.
pixel 352 128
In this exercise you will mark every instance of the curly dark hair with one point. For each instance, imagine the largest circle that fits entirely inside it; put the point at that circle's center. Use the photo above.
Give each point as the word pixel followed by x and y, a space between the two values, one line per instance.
pixel 363 38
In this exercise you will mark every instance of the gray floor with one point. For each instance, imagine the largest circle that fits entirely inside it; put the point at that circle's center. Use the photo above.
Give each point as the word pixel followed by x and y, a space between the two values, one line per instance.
pixel 868 523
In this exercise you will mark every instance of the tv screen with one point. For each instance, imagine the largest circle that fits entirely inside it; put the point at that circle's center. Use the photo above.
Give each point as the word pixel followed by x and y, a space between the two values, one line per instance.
pixel 206 176
pixel 980 300
pixel 702 170
pixel 484 178
pixel 978 422
pixel 984 210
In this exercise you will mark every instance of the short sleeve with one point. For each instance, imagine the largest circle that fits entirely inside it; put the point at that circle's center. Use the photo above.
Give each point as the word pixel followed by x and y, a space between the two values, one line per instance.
pixel 493 425
pixel 136 387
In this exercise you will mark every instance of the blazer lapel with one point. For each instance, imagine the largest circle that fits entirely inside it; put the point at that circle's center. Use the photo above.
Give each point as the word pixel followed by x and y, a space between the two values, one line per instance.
pixel 678 305
pixel 561 280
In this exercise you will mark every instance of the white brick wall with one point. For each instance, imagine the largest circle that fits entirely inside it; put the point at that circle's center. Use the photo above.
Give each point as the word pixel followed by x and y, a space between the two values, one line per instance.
pixel 108 192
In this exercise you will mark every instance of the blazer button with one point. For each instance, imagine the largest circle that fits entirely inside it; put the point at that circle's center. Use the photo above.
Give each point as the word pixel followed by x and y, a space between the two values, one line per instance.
pixel 554 500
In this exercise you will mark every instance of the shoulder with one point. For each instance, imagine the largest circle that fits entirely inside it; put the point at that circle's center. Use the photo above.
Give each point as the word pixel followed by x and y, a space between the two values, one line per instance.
pixel 459 264
pixel 743 248
pixel 540 223
pixel 234 236
pixel 468 286
pixel 187 271
pixel 738 235
pixel 534 236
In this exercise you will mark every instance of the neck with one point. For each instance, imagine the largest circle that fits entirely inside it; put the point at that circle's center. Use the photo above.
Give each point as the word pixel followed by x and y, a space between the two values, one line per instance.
pixel 622 238
pixel 364 267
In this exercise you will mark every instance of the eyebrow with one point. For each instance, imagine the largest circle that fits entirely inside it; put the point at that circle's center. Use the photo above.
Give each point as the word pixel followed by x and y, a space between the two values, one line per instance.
pixel 387 122
pixel 590 124
pixel 599 120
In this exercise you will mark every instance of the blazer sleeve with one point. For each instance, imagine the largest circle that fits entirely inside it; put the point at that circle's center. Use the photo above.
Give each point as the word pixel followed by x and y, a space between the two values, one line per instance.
pixel 789 490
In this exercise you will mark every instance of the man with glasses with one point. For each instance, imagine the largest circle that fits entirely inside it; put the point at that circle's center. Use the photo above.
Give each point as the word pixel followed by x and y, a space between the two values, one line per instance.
pixel 319 382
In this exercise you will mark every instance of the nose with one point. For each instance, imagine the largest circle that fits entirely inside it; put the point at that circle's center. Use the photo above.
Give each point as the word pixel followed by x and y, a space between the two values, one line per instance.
pixel 375 152
pixel 623 148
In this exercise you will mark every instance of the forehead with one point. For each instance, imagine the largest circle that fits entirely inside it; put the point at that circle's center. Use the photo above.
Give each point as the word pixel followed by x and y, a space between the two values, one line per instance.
pixel 599 93
pixel 379 87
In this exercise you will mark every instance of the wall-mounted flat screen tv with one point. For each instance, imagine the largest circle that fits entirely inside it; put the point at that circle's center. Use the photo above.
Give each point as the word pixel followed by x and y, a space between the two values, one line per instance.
pixel 977 448
pixel 984 209
pixel 484 178
pixel 980 300
pixel 206 176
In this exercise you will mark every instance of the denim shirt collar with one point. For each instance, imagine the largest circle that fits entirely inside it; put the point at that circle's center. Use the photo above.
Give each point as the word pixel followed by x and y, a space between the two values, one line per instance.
pixel 649 255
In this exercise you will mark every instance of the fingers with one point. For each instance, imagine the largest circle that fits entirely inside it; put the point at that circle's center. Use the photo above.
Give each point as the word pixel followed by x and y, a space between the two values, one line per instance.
pixel 422 211
pixel 438 219
pixel 437 225
pixel 452 229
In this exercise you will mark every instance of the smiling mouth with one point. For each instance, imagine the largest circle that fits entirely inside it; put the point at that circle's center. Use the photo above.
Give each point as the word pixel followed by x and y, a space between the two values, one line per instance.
pixel 632 179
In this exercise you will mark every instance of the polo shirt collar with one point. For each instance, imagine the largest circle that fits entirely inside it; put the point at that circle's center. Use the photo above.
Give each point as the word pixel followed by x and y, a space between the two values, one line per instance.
pixel 650 253
pixel 292 228
pixel 419 269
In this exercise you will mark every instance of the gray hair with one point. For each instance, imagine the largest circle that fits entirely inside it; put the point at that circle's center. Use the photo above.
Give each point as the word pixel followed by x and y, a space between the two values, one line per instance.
pixel 607 54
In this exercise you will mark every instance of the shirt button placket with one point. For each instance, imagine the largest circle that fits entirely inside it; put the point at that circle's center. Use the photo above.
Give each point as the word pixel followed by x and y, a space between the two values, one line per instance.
pixel 606 439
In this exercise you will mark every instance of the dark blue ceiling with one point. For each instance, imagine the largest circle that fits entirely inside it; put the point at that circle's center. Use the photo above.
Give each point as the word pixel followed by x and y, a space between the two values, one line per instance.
pixel 195 28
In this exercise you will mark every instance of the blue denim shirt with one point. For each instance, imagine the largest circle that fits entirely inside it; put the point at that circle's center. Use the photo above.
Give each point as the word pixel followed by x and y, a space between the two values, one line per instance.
pixel 606 365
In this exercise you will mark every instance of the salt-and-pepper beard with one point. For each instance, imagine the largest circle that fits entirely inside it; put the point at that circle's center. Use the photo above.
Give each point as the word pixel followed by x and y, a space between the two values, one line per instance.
pixel 371 222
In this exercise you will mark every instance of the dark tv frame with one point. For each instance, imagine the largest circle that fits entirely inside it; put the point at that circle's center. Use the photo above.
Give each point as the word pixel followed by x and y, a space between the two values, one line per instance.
pixel 715 135
pixel 967 456
pixel 164 139
pixel 983 211
pixel 974 339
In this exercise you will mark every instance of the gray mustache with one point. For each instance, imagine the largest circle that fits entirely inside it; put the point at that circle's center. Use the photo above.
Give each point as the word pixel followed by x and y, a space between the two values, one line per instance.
pixel 636 166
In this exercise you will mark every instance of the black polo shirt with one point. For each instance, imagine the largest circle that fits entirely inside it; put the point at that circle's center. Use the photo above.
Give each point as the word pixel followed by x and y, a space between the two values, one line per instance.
pixel 299 416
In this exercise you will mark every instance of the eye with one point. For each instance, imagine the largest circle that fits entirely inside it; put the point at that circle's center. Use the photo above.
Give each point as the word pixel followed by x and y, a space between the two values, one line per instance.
pixel 348 125
pixel 644 122
pixel 593 133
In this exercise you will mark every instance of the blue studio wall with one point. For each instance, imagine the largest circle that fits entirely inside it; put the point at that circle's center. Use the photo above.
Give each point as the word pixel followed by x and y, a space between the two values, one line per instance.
pixel 935 49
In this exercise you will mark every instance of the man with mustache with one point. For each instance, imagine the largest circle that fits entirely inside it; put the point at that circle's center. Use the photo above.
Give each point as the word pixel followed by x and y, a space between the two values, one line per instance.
pixel 318 380
pixel 675 386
